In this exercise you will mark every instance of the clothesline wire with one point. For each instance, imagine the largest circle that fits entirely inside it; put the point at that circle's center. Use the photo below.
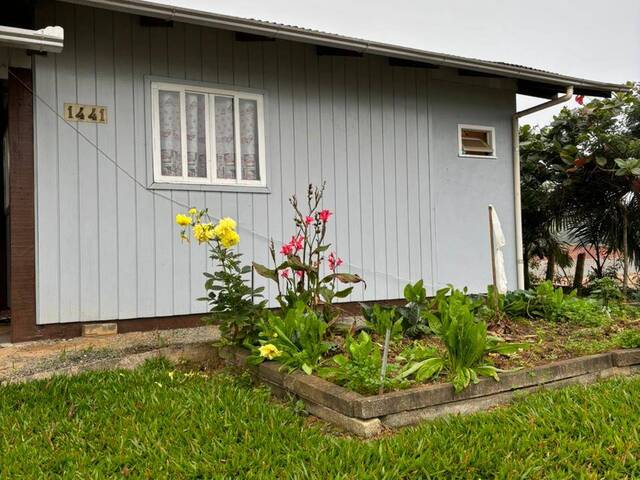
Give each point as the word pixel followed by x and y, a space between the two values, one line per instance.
pixel 169 199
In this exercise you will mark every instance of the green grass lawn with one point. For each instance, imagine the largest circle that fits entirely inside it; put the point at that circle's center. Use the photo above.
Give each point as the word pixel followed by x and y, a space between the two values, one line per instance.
pixel 157 423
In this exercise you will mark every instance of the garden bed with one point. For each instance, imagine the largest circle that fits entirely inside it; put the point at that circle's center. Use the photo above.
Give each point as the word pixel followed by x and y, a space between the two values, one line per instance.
pixel 369 415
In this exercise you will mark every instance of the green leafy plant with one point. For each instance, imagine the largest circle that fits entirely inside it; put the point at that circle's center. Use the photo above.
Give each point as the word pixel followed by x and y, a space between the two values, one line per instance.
pixel 628 339
pixel 605 290
pixel 234 305
pixel 380 319
pixel 552 304
pixel 466 345
pixel 359 368
pixel 446 303
pixel 414 321
pixel 295 339
pixel 298 275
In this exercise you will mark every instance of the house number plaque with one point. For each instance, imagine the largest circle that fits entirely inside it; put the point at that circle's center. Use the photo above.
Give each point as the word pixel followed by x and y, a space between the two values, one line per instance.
pixel 75 112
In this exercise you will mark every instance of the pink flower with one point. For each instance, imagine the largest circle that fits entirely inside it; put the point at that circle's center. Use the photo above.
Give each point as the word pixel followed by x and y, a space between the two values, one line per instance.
pixel 324 215
pixel 334 262
pixel 299 273
pixel 297 242
pixel 285 274
pixel 580 99
pixel 308 220
pixel 287 249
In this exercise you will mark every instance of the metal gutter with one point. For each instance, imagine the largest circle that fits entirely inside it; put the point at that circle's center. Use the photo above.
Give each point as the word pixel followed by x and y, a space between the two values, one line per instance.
pixel 515 130
pixel 226 22
pixel 49 39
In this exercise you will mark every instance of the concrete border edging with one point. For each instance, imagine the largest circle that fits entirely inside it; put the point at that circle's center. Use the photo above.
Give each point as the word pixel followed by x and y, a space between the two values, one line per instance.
pixel 367 416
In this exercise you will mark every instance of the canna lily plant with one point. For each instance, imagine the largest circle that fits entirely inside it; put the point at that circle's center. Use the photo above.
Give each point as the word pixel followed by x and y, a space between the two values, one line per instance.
pixel 298 272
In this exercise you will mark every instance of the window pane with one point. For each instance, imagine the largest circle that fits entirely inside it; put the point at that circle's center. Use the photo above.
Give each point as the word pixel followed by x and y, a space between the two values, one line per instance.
pixel 170 134
pixel 196 135
pixel 249 139
pixel 225 138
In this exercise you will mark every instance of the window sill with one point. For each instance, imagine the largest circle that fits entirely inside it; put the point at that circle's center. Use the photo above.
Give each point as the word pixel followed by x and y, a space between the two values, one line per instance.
pixel 490 157
pixel 194 187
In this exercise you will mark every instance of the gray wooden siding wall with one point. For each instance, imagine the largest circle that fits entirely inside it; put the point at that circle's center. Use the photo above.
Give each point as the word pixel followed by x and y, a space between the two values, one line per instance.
pixel 385 139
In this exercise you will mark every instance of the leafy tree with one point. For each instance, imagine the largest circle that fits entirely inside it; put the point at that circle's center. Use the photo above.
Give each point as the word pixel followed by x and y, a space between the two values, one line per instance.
pixel 542 203
pixel 581 174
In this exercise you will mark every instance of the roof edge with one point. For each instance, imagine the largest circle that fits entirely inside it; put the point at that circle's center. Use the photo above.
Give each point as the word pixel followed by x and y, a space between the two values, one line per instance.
pixel 298 34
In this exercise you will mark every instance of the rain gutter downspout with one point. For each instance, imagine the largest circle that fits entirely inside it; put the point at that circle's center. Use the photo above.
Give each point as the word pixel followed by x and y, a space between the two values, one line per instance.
pixel 515 130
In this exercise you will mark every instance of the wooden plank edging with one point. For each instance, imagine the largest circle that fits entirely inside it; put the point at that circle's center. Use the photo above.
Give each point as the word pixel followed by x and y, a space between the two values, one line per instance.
pixel 351 404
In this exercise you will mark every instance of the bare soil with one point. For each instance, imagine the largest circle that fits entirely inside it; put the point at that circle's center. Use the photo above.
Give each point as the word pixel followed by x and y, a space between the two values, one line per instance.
pixel 43 358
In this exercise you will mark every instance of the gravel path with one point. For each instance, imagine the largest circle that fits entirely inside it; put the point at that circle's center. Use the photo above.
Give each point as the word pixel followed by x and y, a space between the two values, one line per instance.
pixel 31 360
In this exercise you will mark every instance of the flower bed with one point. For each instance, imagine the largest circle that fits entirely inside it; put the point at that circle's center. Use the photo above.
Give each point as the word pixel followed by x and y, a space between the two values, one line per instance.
pixel 422 358
pixel 369 415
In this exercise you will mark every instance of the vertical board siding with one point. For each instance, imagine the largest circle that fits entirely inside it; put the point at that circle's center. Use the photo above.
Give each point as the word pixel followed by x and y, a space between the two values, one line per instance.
pixel 384 138
pixel 88 160
pixel 68 173
pixel 46 181
pixel 143 213
pixel 125 155
pixel 107 188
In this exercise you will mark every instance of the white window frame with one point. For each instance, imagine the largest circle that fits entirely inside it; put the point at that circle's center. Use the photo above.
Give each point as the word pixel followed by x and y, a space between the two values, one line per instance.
pixel 210 94
pixel 492 136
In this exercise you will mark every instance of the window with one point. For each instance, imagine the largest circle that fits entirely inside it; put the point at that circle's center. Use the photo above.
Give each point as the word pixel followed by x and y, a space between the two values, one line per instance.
pixel 207 136
pixel 475 141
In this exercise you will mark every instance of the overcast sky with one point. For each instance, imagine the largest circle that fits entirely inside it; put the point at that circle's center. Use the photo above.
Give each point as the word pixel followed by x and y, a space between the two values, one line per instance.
pixel 594 39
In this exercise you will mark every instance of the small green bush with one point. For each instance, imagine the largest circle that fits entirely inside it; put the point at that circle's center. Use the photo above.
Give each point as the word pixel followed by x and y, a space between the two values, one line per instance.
pixel 296 339
pixel 413 317
pixel 380 319
pixel 359 368
pixel 605 290
pixel 552 304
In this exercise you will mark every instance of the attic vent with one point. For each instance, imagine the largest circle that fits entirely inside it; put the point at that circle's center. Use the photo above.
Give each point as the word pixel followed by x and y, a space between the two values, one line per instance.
pixel 476 141
pixel 251 37
pixel 336 52
pixel 155 22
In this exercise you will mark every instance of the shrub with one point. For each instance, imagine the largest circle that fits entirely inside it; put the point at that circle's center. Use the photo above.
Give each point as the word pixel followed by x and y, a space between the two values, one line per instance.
pixel 232 302
pixel 299 276
pixel 296 339
pixel 549 303
pixel 605 290
pixel 359 368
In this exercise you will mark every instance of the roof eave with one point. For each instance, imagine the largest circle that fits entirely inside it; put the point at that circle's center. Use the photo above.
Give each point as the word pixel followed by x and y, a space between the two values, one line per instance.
pixel 141 7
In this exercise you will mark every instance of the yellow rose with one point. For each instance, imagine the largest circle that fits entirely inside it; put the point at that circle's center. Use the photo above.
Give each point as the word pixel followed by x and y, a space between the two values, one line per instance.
pixel 269 351
pixel 193 211
pixel 223 227
pixel 230 239
pixel 227 223
pixel 219 232
pixel 183 220
pixel 203 232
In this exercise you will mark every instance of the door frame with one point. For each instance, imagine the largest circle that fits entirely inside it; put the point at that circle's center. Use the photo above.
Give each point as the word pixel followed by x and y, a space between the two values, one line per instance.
pixel 22 261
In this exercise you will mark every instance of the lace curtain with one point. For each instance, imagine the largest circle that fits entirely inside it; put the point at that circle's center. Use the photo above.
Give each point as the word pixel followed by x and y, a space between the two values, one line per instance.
pixel 196 135
pixel 249 139
pixel 170 135
pixel 225 138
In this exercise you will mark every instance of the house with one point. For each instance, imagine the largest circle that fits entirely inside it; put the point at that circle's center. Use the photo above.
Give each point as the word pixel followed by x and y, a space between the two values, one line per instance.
pixel 139 110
